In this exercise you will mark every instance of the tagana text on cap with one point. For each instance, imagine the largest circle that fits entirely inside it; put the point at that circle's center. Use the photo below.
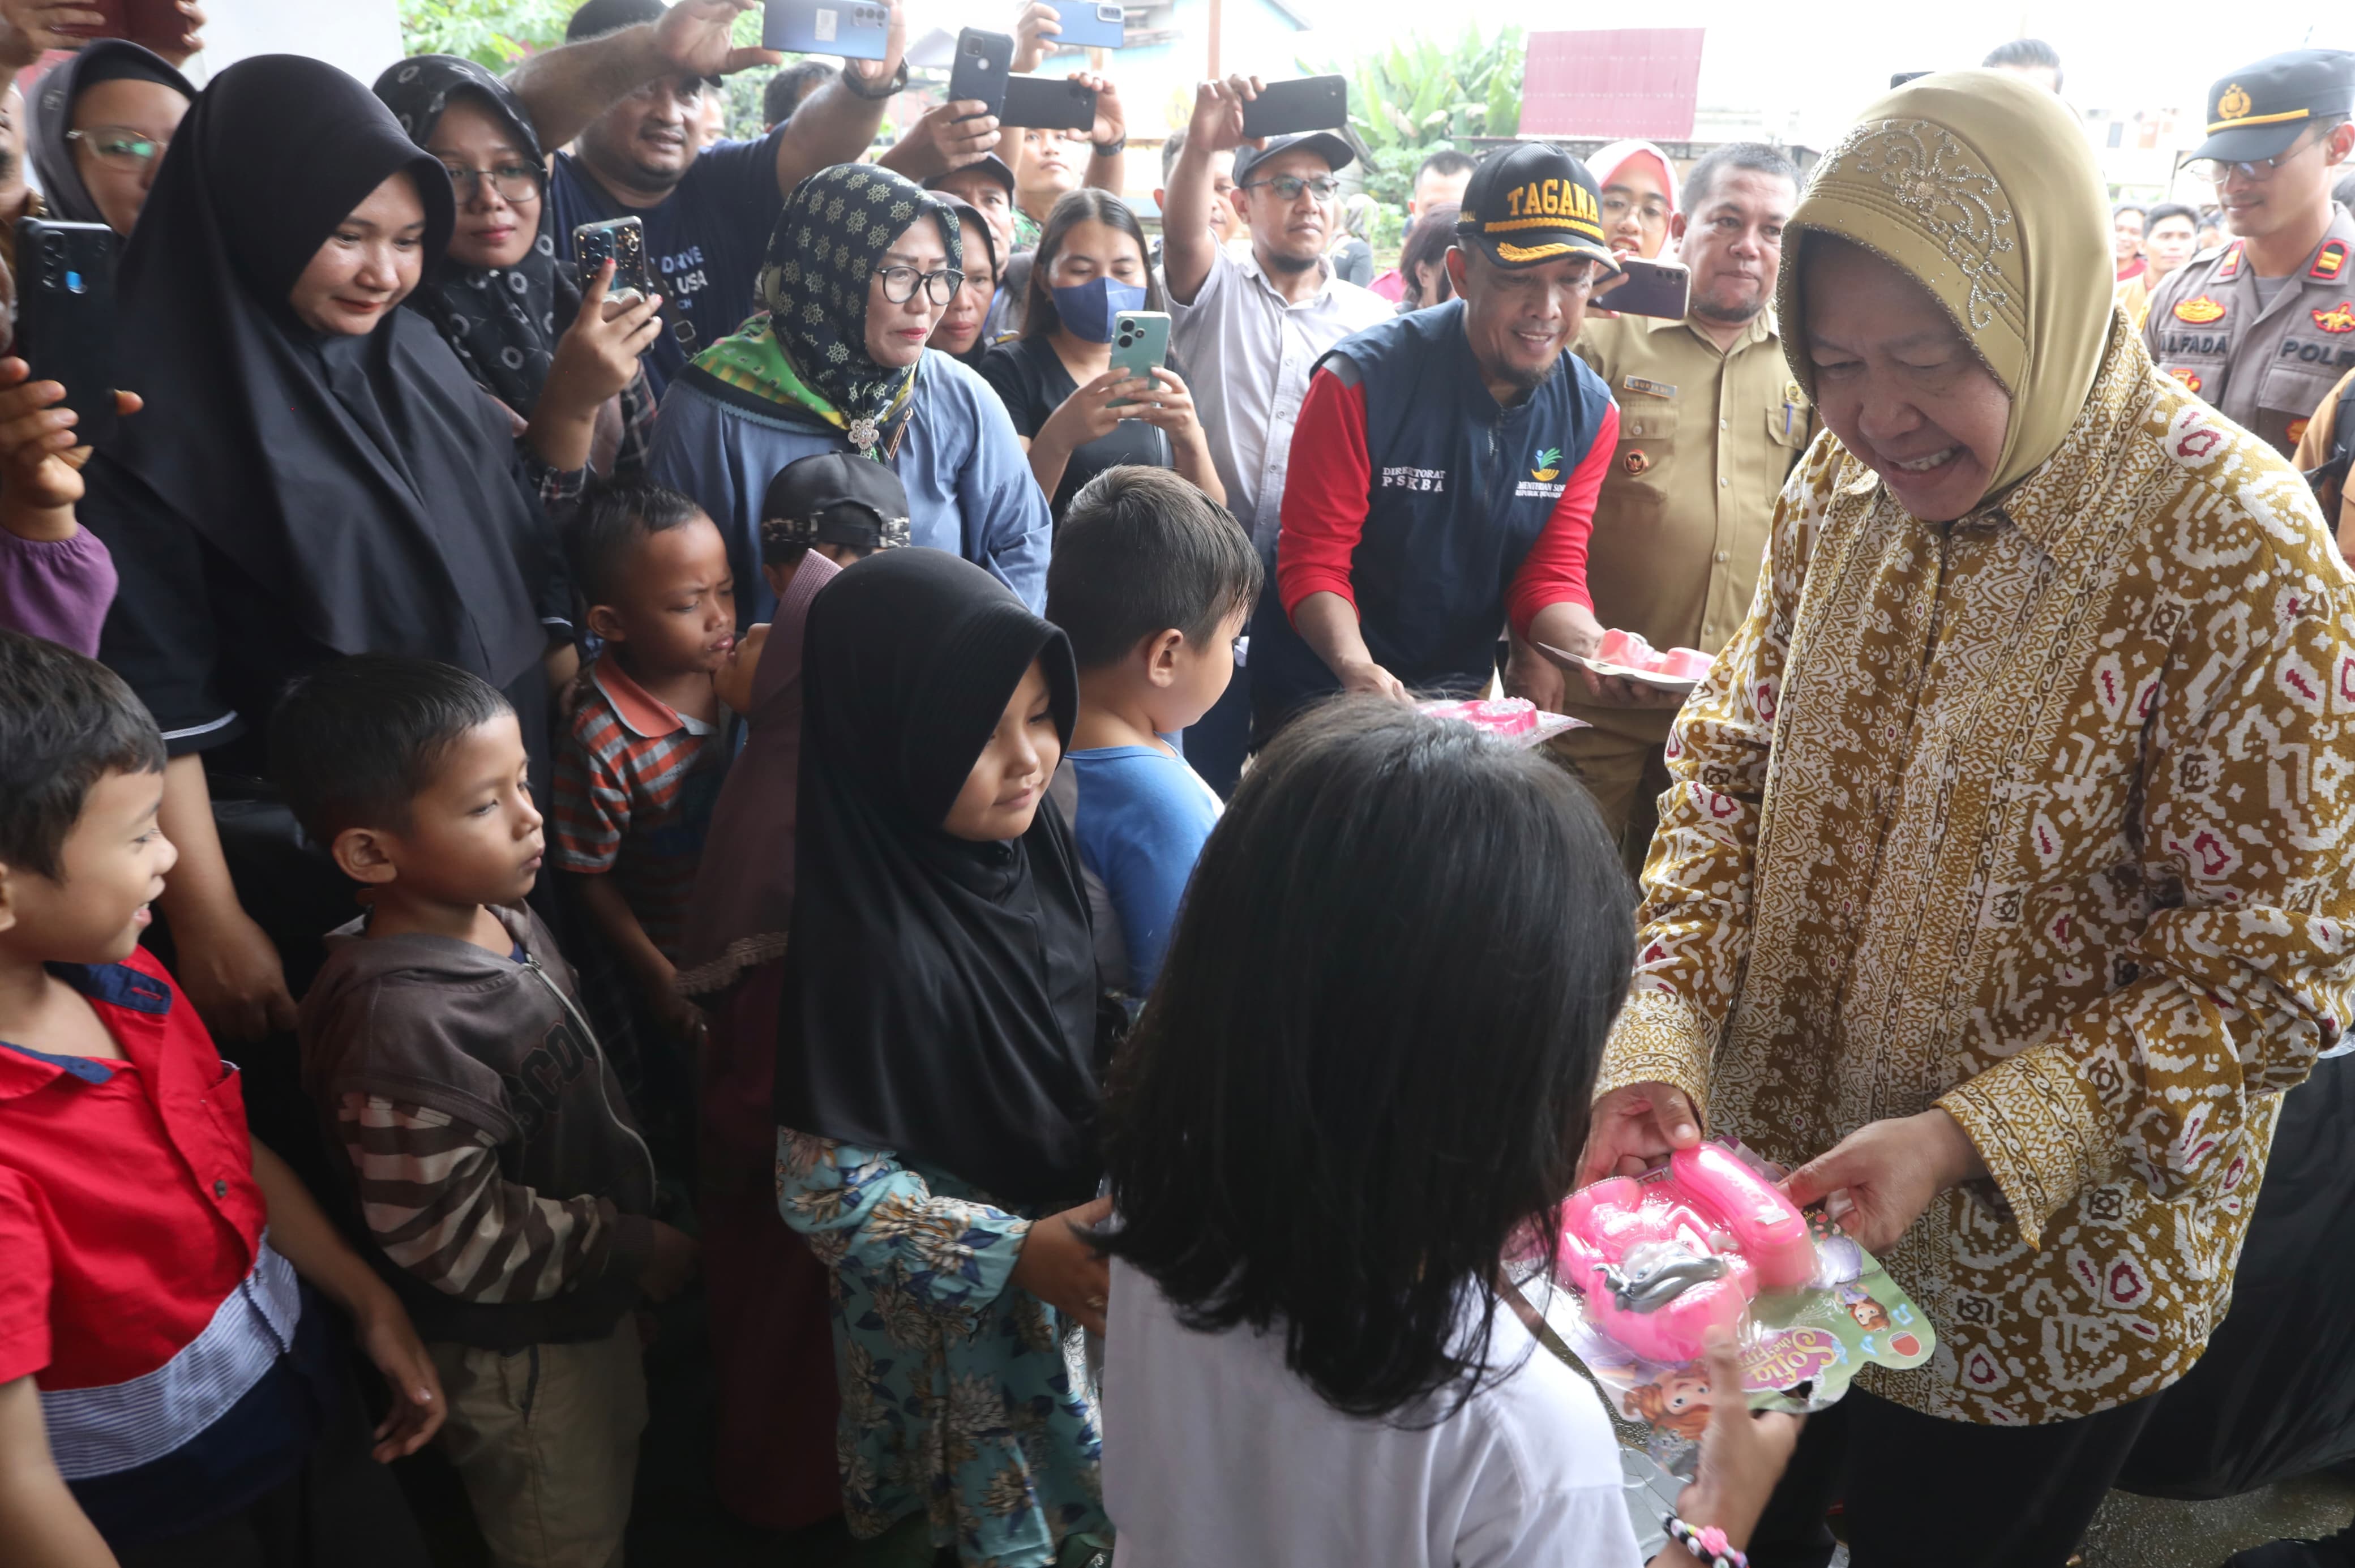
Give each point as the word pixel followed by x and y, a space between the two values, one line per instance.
pixel 2258 111
pixel 1533 203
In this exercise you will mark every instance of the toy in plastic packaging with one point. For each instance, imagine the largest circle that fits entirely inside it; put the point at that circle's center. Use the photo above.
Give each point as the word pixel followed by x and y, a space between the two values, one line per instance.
pixel 1654 1263
pixel 1513 719
pixel 1627 654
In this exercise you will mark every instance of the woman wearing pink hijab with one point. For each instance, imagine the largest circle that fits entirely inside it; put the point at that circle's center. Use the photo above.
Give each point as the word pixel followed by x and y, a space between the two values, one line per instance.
pixel 1639 196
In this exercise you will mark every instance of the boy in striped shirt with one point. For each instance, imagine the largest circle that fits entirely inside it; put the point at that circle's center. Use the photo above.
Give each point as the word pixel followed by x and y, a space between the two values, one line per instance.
pixel 640 770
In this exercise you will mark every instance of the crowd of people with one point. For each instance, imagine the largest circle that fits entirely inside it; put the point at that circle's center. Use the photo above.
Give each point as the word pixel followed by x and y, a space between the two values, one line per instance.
pixel 1015 949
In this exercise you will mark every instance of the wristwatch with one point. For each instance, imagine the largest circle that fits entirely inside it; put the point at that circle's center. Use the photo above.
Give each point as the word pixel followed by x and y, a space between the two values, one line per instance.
pixel 856 82
pixel 1113 151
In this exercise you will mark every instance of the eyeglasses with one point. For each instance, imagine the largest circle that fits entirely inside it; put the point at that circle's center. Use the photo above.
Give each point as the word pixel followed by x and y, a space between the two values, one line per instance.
pixel 120 146
pixel 899 284
pixel 2215 170
pixel 1616 206
pixel 1288 187
pixel 517 183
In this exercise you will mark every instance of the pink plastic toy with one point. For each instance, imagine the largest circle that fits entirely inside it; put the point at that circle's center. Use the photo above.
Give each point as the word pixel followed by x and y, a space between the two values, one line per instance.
pixel 1629 651
pixel 1659 1261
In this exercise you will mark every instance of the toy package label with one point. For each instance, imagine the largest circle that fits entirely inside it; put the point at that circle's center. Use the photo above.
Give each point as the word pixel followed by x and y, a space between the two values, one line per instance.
pixel 1652 1262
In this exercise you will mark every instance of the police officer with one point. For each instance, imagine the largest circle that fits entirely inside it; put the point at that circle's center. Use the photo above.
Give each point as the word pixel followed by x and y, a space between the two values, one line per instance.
pixel 2263 326
pixel 1444 467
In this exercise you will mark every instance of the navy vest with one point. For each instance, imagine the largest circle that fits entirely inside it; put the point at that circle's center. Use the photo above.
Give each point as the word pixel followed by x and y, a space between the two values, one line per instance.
pixel 1459 491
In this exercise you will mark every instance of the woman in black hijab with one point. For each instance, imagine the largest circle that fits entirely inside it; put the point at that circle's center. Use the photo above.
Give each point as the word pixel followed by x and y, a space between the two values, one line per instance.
pixel 102 122
pixel 569 377
pixel 936 1085
pixel 314 475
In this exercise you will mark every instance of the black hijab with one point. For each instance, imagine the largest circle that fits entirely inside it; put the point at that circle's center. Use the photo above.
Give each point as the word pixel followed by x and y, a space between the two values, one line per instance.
pixel 502 322
pixel 103 60
pixel 366 486
pixel 940 995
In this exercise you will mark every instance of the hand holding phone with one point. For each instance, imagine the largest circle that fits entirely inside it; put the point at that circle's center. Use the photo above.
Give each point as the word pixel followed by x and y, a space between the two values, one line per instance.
pixel 1305 103
pixel 851 29
pixel 983 63
pixel 42 449
pixel 65 316
pixel 1660 289
pixel 1140 346
pixel 1091 24
pixel 622 241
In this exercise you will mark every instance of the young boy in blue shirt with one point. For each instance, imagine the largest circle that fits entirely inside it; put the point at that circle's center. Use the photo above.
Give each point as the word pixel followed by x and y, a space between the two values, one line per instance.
pixel 1153 581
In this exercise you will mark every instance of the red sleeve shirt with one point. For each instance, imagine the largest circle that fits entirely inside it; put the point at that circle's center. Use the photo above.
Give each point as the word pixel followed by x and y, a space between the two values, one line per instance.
pixel 1330 475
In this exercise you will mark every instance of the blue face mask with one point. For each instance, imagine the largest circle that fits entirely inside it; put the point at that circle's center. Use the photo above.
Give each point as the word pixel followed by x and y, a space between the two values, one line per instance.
pixel 1087 309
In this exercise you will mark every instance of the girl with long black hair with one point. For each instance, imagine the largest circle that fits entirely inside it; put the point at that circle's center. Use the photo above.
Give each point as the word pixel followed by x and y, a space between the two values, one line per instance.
pixel 1361 1082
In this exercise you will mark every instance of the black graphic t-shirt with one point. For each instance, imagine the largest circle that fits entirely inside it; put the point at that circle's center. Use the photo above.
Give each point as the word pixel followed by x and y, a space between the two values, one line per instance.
pixel 703 246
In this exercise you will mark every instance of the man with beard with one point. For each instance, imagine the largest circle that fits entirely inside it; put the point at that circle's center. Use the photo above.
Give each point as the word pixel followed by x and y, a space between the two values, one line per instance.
pixel 1444 470
pixel 1709 424
pixel 630 83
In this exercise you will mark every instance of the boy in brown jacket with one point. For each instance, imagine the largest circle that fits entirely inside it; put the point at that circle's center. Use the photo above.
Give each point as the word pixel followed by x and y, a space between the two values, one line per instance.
pixel 493 1161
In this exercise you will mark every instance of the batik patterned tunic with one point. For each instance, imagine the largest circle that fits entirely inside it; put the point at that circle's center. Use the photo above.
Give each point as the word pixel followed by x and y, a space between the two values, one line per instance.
pixel 2042 816
pixel 962 1395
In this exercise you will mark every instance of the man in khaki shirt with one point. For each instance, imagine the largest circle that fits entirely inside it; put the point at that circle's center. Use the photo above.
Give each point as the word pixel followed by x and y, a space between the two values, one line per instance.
pixel 1709 425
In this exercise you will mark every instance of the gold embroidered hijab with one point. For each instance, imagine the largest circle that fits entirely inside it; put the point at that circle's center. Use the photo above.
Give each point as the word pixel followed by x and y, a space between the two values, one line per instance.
pixel 1983 188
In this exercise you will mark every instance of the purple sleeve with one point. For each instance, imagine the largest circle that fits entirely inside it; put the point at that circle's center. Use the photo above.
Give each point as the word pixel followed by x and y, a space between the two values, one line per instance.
pixel 56 589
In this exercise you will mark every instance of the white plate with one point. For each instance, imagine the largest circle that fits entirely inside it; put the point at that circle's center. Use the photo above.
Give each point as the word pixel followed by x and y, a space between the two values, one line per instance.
pixel 1676 684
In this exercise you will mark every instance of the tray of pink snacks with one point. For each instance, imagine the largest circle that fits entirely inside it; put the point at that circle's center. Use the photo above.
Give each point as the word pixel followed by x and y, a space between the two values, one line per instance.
pixel 1653 1264
pixel 1513 719
pixel 1626 653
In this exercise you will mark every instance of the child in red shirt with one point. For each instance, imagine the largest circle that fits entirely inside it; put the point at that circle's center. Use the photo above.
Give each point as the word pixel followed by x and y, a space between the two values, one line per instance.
pixel 170 1390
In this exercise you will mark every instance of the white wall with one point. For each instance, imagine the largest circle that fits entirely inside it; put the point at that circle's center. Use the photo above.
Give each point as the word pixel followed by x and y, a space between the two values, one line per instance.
pixel 363 36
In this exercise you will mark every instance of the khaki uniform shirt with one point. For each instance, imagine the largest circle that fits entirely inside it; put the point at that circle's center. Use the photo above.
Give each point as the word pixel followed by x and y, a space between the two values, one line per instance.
pixel 2313 446
pixel 1706 439
pixel 2042 817
pixel 2264 368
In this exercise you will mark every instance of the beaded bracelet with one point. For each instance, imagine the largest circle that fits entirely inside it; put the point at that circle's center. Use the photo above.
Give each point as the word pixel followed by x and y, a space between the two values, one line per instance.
pixel 1705 1541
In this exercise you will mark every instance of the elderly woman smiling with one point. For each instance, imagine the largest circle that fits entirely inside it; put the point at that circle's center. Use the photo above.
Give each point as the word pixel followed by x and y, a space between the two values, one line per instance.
pixel 2002 887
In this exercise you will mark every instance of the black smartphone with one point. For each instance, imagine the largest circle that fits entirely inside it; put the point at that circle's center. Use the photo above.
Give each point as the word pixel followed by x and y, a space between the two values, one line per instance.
pixel 65 316
pixel 1044 104
pixel 622 241
pixel 983 61
pixel 1646 288
pixel 1305 103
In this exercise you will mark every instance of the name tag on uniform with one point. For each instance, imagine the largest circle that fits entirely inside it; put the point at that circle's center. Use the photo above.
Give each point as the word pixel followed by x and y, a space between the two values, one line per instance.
pixel 1649 388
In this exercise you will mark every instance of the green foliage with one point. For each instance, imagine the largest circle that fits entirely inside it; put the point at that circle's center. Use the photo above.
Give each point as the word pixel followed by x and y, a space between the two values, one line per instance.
pixel 1415 97
pixel 493 33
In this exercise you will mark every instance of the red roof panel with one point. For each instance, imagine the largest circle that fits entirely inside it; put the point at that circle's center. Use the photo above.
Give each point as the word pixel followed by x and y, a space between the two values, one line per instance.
pixel 1613 82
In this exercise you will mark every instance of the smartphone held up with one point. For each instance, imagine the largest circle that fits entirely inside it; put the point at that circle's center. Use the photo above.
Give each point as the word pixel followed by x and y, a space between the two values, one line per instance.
pixel 851 29
pixel 65 316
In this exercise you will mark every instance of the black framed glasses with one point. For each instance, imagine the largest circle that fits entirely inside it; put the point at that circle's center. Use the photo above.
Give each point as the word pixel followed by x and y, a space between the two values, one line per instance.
pixel 1288 187
pixel 514 182
pixel 120 146
pixel 901 283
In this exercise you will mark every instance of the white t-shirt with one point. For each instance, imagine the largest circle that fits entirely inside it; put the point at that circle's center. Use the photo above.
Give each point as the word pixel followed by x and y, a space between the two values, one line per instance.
pixel 1215 1453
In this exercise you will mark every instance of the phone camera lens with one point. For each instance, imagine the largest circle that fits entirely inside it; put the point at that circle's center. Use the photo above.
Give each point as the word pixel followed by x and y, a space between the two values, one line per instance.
pixel 53 245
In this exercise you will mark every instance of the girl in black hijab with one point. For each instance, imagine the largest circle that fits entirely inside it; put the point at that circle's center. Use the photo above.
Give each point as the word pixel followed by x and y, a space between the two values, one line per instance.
pixel 96 151
pixel 569 376
pixel 316 475
pixel 936 1084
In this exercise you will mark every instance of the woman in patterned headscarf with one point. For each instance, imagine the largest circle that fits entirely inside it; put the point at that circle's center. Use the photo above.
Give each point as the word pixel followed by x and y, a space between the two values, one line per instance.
pixel 568 374
pixel 2002 891
pixel 860 268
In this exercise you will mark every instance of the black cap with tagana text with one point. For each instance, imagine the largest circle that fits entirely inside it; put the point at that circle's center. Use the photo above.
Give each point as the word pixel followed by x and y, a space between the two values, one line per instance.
pixel 2259 111
pixel 1533 203
pixel 834 497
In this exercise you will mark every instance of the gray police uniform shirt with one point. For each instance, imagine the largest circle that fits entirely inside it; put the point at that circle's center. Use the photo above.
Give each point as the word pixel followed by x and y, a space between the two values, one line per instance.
pixel 2265 367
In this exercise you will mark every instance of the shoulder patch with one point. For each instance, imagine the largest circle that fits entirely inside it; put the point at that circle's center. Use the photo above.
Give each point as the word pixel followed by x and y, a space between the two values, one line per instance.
pixel 2328 262
pixel 2230 268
